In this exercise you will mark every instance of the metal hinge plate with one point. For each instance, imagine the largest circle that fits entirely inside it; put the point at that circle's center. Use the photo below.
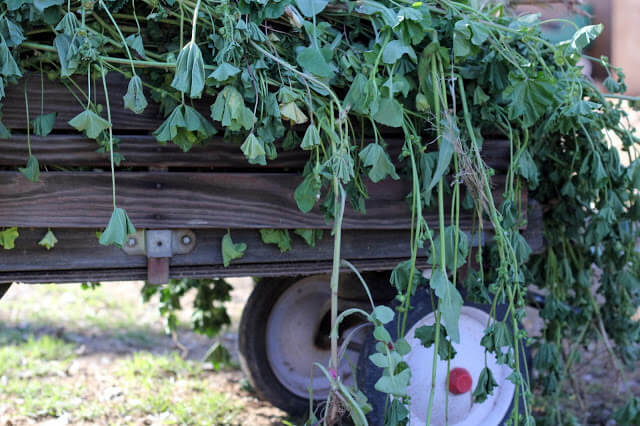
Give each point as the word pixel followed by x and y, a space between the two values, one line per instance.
pixel 159 245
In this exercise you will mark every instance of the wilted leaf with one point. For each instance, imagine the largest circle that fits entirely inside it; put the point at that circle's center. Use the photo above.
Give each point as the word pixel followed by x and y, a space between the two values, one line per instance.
pixel 32 169
pixel 449 302
pixel 43 124
pixel 49 240
pixel 189 76
pixel 231 250
pixel 134 98
pixel 89 122
pixel 311 138
pixel 277 236
pixel 229 109
pixel 118 229
pixel 8 237
pixel 310 8
pixel 374 157
pixel 253 149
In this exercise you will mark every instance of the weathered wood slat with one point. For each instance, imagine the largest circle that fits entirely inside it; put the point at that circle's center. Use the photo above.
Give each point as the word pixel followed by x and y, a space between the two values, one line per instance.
pixel 79 249
pixel 257 270
pixel 74 150
pixel 58 98
pixel 190 200
pixel 79 257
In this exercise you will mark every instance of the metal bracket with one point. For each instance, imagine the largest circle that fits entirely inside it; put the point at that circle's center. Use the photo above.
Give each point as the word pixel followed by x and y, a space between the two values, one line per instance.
pixel 159 246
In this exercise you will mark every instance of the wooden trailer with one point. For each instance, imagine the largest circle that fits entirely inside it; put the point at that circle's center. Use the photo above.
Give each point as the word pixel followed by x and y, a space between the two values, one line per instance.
pixel 182 204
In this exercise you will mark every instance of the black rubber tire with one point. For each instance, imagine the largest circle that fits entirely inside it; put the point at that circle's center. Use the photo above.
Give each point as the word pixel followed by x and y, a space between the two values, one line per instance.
pixel 252 344
pixel 368 374
pixel 3 288
pixel 252 338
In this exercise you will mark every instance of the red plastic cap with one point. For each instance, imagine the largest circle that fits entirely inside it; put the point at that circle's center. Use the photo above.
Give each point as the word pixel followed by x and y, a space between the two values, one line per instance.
pixel 460 381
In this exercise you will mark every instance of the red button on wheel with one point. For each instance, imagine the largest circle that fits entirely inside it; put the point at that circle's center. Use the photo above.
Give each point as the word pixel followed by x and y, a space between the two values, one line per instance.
pixel 460 381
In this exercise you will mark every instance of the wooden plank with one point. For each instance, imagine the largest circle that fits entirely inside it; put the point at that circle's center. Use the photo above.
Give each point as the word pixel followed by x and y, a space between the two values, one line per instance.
pixel 257 270
pixel 74 150
pixel 79 249
pixel 156 200
pixel 79 257
pixel 58 98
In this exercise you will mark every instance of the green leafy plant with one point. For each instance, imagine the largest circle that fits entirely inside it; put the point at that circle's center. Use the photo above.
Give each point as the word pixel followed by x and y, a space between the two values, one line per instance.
pixel 443 75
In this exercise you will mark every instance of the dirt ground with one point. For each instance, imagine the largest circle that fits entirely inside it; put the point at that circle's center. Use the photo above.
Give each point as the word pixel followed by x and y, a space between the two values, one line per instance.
pixel 106 326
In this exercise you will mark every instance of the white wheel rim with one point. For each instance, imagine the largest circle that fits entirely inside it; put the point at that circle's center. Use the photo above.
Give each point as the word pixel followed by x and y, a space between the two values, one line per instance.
pixel 470 356
pixel 291 329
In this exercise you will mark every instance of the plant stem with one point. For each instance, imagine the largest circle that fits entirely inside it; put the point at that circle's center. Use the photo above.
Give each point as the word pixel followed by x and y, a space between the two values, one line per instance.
pixel 113 174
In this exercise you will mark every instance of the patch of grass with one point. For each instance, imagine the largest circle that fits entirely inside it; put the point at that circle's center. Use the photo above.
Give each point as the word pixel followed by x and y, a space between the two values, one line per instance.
pixel 41 398
pixel 44 355
pixel 29 369
pixel 174 388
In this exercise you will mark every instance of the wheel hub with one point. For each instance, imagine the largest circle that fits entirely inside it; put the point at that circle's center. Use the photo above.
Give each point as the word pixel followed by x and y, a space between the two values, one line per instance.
pixel 464 374
pixel 293 343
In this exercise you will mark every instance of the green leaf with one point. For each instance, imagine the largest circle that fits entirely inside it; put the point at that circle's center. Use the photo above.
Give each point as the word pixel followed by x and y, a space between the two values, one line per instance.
pixel 229 109
pixel 8 65
pixel 118 229
pixel 291 112
pixel 394 385
pixel 8 237
pixel 89 122
pixel 529 98
pixel 189 76
pixel 41 5
pixel 445 150
pixel 389 113
pixel 68 61
pixel 185 127
pixel 43 124
pixel 308 193
pixel 461 36
pixel 277 236
pixel 449 302
pixel 584 36
pixel 134 98
pixel 527 169
pixel 401 274
pixel 32 169
pixel 449 248
pixel 310 236
pixel 374 157
pixel 134 41
pixel 49 240
pixel 362 95
pixel 231 250
pixel 381 334
pixel 68 24
pixel 11 32
pixel 383 314
pixel 253 149
pixel 311 138
pixel 485 386
pixel 341 164
pixel 310 8
pixel 312 61
pixel 427 336
pixel 394 51
pixel 224 72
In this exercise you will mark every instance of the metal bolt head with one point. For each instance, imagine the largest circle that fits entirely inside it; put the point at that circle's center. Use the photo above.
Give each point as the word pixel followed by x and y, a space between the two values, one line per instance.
pixel 131 242
pixel 186 240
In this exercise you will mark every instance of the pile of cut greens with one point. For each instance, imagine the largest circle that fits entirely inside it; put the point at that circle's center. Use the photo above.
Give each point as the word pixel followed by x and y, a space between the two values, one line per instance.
pixel 444 72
